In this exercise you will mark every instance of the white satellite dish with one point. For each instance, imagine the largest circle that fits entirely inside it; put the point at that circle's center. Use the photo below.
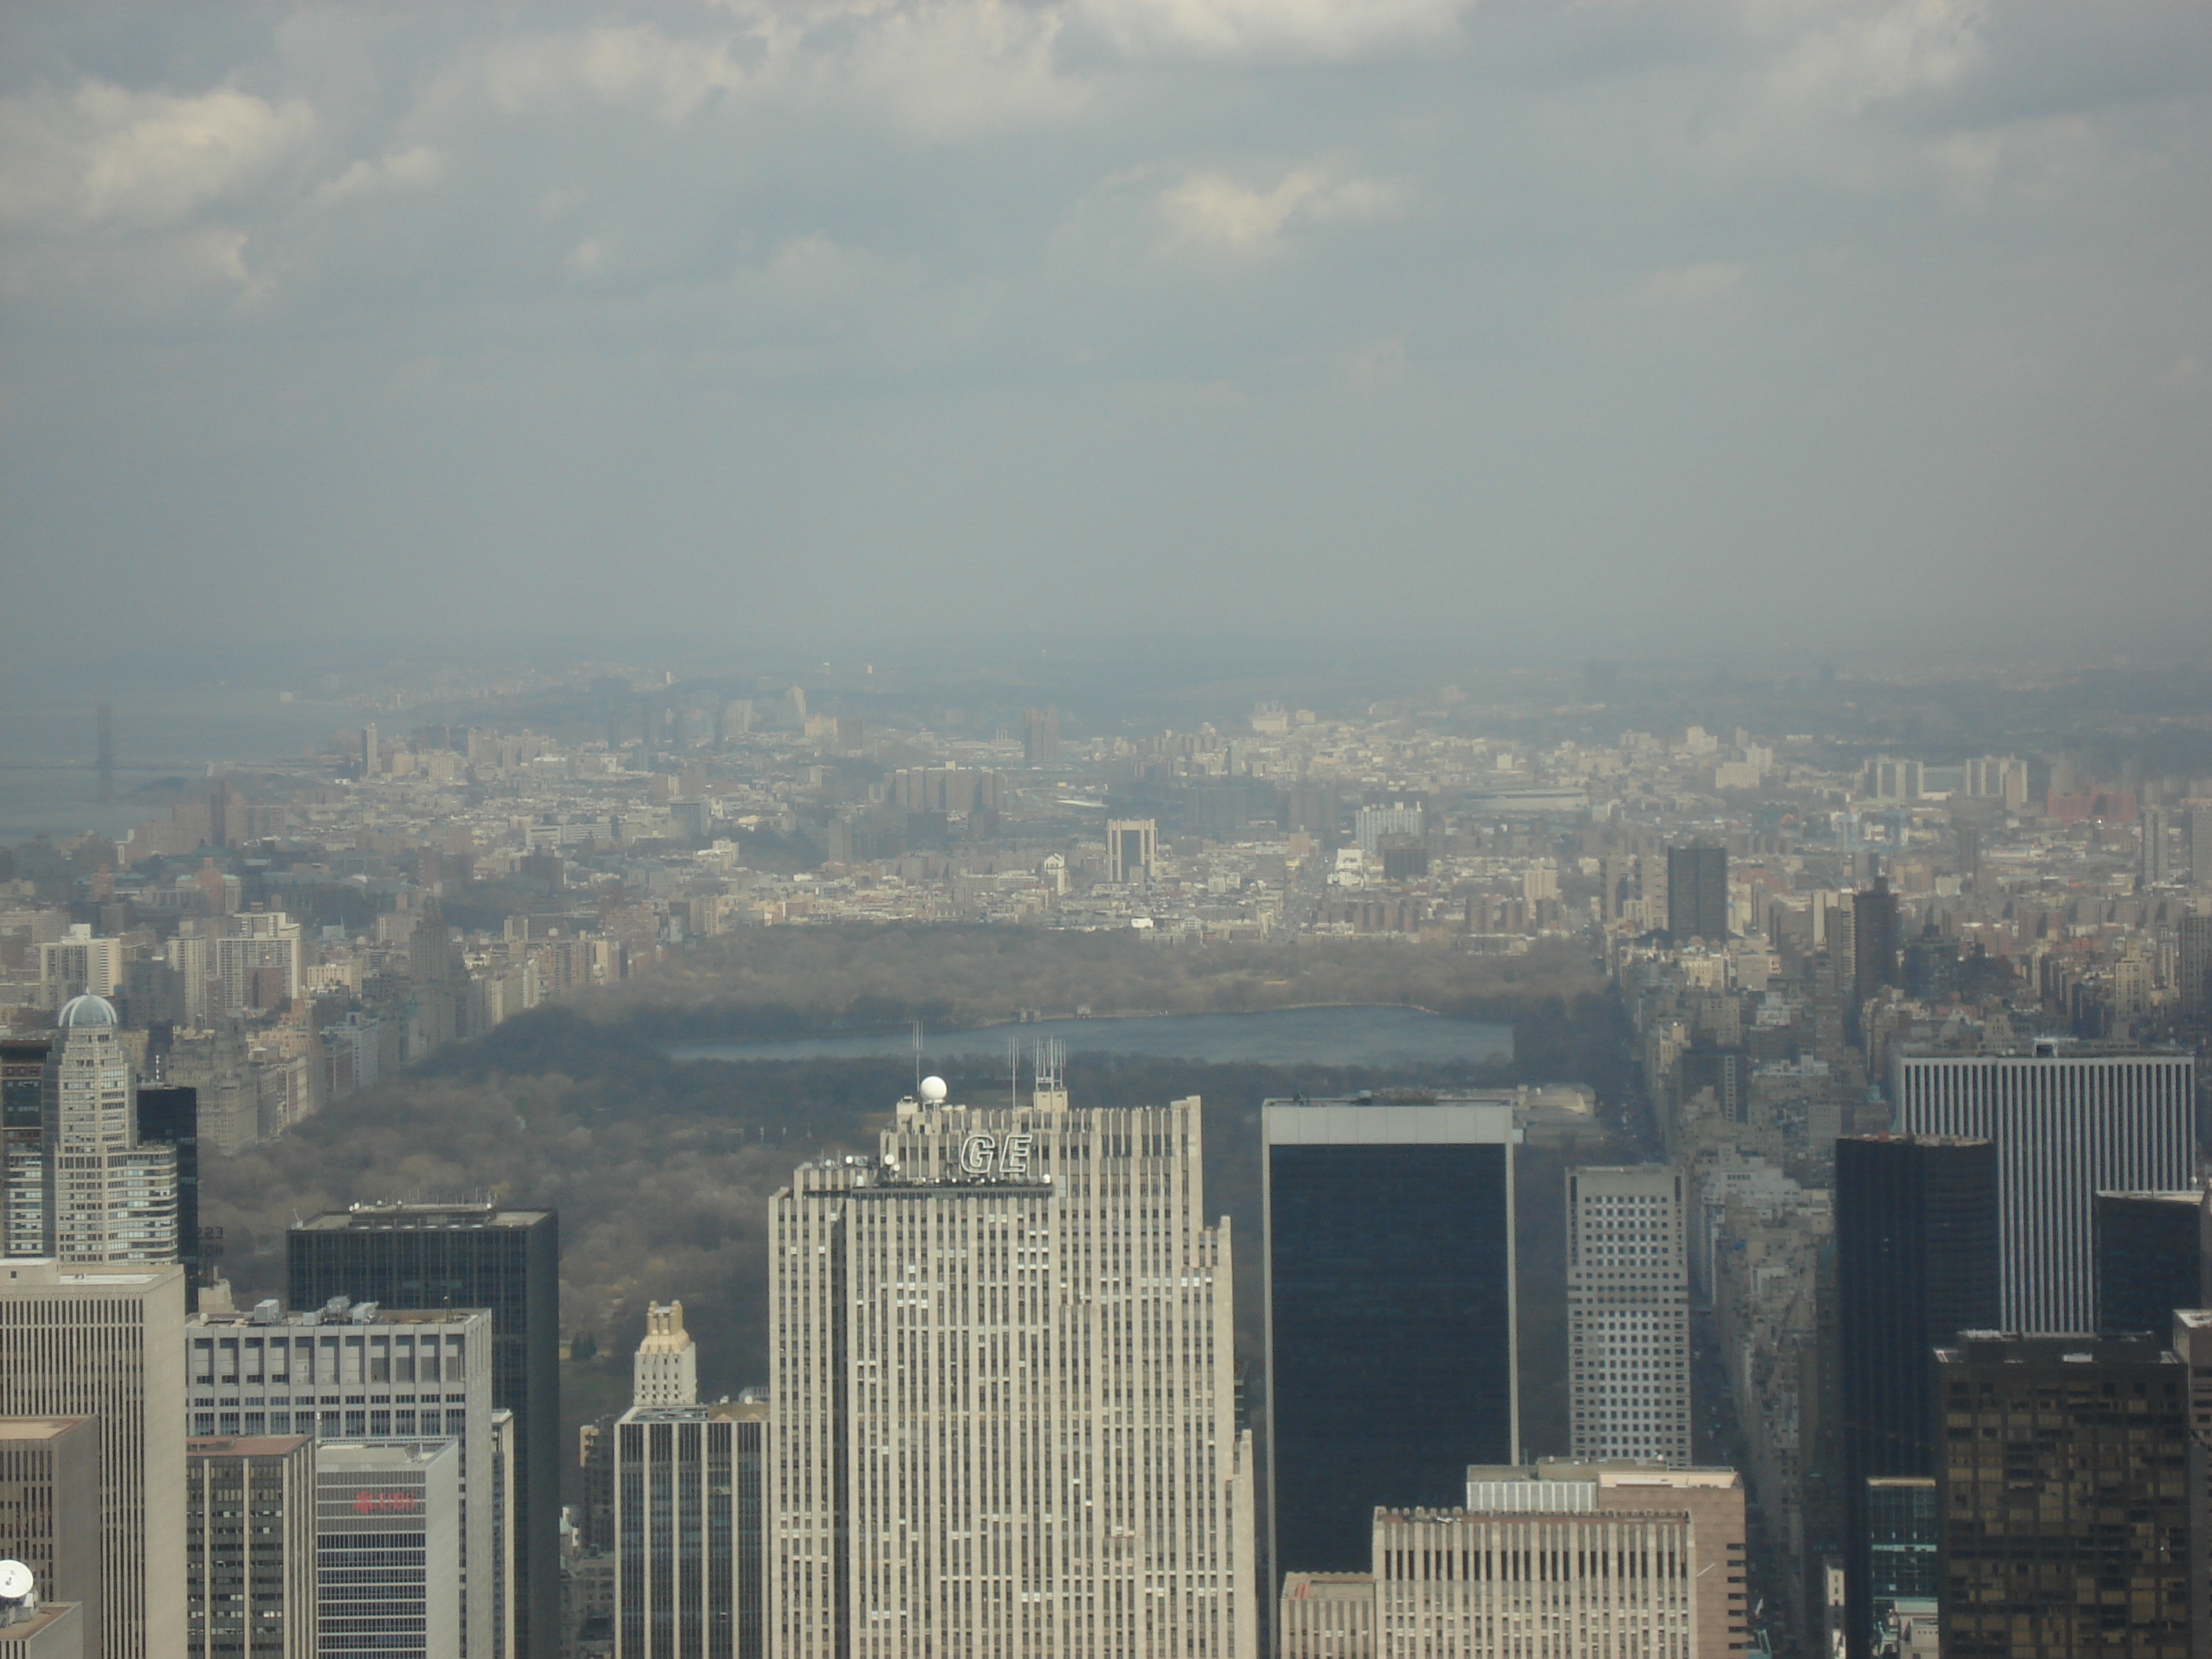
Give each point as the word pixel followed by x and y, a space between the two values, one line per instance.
pixel 15 1581
pixel 933 1092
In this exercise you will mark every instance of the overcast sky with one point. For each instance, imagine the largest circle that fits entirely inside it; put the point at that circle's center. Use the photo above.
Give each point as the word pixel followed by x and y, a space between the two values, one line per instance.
pixel 1609 326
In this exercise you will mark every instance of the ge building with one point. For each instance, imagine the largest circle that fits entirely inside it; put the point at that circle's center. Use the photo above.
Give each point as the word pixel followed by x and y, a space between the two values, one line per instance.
pixel 1003 1404
pixel 1391 1335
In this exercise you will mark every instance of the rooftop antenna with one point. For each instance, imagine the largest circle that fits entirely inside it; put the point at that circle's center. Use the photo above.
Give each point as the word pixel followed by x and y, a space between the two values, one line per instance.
pixel 1013 1073
pixel 917 1057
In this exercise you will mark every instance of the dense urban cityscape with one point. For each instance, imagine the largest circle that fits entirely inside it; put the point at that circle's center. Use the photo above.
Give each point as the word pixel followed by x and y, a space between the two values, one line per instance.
pixel 1894 1105
pixel 1105 829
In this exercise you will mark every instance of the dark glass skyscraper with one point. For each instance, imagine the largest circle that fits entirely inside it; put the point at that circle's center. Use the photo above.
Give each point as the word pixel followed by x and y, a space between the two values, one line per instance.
pixel 2151 1259
pixel 1874 944
pixel 425 1255
pixel 1391 1316
pixel 1697 893
pixel 1916 1264
pixel 170 1117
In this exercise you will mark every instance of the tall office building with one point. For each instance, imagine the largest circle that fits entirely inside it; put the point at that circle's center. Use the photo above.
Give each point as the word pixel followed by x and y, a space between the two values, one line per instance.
pixel 2064 1531
pixel 1903 1538
pixel 358 1372
pixel 666 1371
pixel 105 1341
pixel 1561 1559
pixel 1916 1255
pixel 2200 844
pixel 2193 969
pixel 170 1116
pixel 1004 1398
pixel 50 1508
pixel 387 1549
pixel 22 1138
pixel 1875 942
pixel 1132 845
pixel 1628 1313
pixel 1697 894
pixel 428 1255
pixel 2191 1342
pixel 2154 1256
pixel 691 1568
pixel 1041 736
pixel 2066 1126
pixel 250 1547
pixel 2153 865
pixel 107 1198
pixel 1391 1326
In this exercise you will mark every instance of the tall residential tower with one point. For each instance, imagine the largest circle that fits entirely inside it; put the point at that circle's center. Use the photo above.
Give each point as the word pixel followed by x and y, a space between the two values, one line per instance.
pixel 1628 1314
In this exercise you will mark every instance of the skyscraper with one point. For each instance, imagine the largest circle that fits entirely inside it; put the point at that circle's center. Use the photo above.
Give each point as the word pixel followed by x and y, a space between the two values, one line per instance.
pixel 1132 844
pixel 387 1549
pixel 2153 865
pixel 1391 1316
pixel 105 1341
pixel 250 1547
pixel 170 1117
pixel 2194 970
pixel 1628 1313
pixel 2200 844
pixel 357 1372
pixel 2191 1342
pixel 1003 1399
pixel 2154 1256
pixel 1041 736
pixel 2064 1531
pixel 666 1370
pixel 1697 894
pixel 1916 1220
pixel 2065 1126
pixel 430 1256
pixel 107 1198
pixel 691 1567
pixel 1874 944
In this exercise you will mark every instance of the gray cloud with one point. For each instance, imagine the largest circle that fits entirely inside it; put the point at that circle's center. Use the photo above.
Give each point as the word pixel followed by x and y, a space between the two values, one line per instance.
pixel 1706 327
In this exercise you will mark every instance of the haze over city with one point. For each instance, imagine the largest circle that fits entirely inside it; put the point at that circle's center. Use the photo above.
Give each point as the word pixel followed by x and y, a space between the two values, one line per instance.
pixel 1106 828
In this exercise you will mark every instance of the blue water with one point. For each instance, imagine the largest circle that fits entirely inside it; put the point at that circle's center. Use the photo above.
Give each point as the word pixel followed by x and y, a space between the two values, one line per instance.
pixel 1290 1036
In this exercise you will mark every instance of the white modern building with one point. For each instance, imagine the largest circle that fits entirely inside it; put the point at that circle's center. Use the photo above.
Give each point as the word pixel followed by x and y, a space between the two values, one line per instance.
pixel 358 1374
pixel 1628 1313
pixel 103 1197
pixel 388 1549
pixel 1003 1394
pixel 2069 1120
pixel 666 1371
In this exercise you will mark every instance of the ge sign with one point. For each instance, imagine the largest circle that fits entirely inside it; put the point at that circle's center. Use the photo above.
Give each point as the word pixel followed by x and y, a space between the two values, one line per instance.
pixel 983 1155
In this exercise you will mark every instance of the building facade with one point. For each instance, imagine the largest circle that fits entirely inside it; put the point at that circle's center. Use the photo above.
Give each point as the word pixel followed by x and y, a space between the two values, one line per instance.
pixel 2154 1256
pixel 105 1197
pixel 690 1569
pixel 2066 1126
pixel 666 1371
pixel 1563 1560
pixel 1391 1316
pixel 250 1547
pixel 2065 1530
pixel 1002 1397
pixel 1916 1263
pixel 355 1372
pixel 50 1507
pixel 107 1342
pixel 1697 894
pixel 1132 845
pixel 1628 1314
pixel 455 1256
pixel 388 1549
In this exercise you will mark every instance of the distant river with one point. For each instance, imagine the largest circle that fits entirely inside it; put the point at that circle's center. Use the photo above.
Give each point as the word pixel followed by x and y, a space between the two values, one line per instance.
pixel 1288 1036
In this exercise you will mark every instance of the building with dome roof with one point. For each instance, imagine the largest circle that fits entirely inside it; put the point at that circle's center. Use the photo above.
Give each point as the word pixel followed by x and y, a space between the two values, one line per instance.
pixel 100 1196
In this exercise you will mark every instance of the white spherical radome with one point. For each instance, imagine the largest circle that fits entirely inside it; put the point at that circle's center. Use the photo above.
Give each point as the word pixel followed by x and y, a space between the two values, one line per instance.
pixel 932 1091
